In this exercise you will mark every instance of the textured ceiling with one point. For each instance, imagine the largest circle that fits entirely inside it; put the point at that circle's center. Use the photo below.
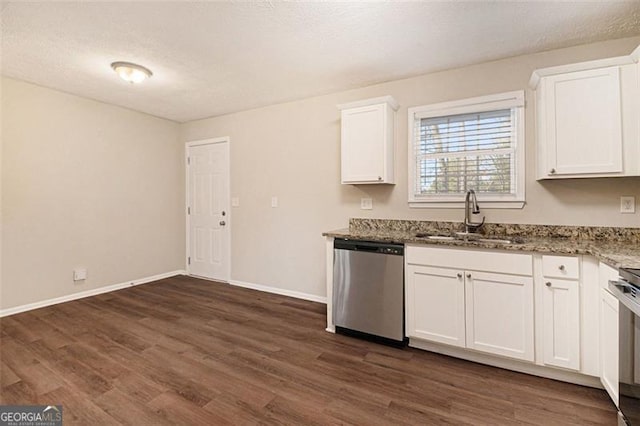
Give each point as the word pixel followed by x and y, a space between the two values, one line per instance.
pixel 212 58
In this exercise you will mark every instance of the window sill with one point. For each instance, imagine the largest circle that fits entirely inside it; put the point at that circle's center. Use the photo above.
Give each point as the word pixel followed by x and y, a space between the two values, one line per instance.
pixel 484 205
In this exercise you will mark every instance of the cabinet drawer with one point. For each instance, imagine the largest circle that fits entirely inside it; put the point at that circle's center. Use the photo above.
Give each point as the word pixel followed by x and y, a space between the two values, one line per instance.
pixel 474 260
pixel 560 267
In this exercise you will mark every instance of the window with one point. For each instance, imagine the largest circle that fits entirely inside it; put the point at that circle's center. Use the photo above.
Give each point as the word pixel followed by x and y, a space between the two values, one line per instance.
pixel 474 144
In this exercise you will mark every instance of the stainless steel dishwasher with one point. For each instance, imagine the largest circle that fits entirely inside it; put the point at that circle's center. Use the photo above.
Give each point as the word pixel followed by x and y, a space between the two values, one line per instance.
pixel 368 290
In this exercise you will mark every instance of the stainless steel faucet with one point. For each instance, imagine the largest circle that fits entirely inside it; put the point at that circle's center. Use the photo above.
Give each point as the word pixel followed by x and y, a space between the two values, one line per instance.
pixel 471 203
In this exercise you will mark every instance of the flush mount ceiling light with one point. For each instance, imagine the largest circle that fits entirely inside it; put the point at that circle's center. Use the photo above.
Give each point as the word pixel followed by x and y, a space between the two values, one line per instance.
pixel 133 73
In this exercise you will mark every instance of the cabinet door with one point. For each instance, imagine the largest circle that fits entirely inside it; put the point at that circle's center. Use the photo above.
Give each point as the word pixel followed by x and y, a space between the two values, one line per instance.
pixel 500 314
pixel 561 318
pixel 363 144
pixel 435 305
pixel 583 122
pixel 609 343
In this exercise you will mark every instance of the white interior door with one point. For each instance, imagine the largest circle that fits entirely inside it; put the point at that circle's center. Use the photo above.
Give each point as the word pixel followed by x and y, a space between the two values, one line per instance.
pixel 208 209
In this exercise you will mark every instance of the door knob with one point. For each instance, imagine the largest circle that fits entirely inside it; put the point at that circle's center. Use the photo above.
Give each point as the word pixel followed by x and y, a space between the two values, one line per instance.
pixel 459 275
pixel 224 213
pixel 222 223
pixel 552 171
pixel 468 275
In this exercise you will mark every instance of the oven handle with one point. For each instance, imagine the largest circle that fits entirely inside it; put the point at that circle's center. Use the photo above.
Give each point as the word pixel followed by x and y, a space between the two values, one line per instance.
pixel 621 285
pixel 620 291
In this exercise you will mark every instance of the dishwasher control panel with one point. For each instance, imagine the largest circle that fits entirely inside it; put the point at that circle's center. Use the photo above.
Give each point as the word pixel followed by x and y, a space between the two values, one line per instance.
pixel 369 246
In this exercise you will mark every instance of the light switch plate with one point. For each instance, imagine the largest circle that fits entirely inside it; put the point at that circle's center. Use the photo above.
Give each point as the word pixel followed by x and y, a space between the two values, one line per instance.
pixel 80 274
pixel 235 202
pixel 274 201
pixel 366 204
pixel 627 204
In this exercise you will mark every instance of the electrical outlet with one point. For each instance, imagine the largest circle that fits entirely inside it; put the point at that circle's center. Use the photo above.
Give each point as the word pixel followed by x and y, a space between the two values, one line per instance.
pixel 235 202
pixel 79 274
pixel 627 204
pixel 366 204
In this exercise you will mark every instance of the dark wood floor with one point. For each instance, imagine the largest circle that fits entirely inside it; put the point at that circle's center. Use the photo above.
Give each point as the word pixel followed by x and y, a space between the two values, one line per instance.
pixel 187 351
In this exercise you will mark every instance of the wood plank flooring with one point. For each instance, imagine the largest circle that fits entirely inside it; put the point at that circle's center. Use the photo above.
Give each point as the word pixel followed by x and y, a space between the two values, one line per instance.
pixel 188 351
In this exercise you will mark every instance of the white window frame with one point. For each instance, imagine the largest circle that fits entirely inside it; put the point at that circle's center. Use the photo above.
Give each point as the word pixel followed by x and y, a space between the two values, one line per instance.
pixel 510 100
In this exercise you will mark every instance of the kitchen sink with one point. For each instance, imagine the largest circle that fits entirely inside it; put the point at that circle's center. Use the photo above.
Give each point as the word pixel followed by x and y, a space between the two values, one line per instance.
pixel 515 240
pixel 435 236
pixel 468 236
pixel 494 240
pixel 464 236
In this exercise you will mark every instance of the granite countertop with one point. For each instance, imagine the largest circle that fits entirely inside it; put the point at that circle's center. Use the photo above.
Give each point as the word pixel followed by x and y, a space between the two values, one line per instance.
pixel 617 247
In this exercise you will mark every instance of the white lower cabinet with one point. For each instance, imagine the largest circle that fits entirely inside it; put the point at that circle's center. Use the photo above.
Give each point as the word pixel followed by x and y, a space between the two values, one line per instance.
pixel 489 311
pixel 489 301
pixel 435 309
pixel 609 343
pixel 499 310
pixel 561 323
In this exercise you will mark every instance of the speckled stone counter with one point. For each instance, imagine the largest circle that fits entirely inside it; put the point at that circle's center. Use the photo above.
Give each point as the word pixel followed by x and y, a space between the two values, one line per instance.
pixel 617 247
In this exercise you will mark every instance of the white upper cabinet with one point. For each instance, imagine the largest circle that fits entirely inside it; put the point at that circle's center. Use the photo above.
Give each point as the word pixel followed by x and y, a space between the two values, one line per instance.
pixel 583 123
pixel 367 141
pixel 587 119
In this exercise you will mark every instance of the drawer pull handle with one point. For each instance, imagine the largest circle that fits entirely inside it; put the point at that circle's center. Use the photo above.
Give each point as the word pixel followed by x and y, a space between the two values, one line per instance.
pixel 468 275
pixel 562 268
pixel 459 275
pixel 548 283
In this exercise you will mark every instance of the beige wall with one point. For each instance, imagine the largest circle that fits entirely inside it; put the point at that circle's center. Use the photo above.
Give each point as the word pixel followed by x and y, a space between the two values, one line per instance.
pixel 292 151
pixel 1 150
pixel 85 184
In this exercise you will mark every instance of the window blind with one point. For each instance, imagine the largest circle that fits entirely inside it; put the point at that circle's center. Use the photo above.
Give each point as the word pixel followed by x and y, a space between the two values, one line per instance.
pixel 467 151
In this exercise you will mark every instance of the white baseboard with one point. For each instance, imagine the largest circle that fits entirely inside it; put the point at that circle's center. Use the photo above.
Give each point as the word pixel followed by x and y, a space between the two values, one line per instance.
pixel 508 364
pixel 280 291
pixel 87 293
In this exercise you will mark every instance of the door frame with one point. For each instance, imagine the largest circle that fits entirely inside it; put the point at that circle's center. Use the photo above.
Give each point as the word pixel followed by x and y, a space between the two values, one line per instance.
pixel 210 141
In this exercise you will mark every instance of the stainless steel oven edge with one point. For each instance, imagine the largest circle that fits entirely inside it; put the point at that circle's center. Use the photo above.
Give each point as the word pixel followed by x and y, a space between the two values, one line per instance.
pixel 628 351
pixel 619 289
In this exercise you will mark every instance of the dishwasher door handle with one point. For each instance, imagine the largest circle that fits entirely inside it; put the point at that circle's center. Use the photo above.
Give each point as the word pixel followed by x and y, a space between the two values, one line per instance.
pixel 366 248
